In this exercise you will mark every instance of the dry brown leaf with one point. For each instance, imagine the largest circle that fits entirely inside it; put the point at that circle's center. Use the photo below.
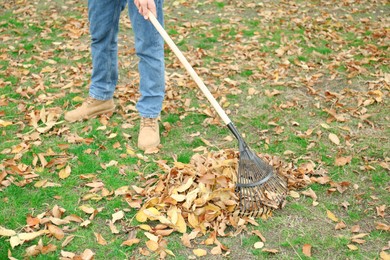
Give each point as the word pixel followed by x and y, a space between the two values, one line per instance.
pixel 67 240
pixel 113 228
pixel 7 232
pixel 88 254
pixel 217 250
pixel 185 239
pixel 341 161
pixel 270 250
pixel 340 225
pixel 87 209
pixel 380 211
pixel 355 229
pixel 100 240
pixel 382 226
pixel 152 245
pixel 130 242
pixel 306 249
pixel 56 231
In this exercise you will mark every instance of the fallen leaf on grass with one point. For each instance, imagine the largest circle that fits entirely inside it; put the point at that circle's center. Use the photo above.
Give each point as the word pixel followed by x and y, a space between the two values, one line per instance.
pixel 334 138
pixel 113 228
pixel 270 250
pixel 355 229
pixel 384 255
pixel 87 209
pixel 352 247
pixel 340 225
pixel 56 231
pixel 65 172
pixel 67 240
pixel 130 242
pixel 258 245
pixel 6 232
pixel 100 239
pixel 117 216
pixel 152 245
pixel 310 193
pixel 341 161
pixel 258 233
pixel 199 252
pixel 332 216
pixel 382 226
pixel 20 238
pixel 380 211
pixel 217 250
pixel 306 249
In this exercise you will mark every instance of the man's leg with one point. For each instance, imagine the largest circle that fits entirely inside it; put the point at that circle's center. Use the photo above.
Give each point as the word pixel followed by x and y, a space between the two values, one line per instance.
pixel 104 22
pixel 149 47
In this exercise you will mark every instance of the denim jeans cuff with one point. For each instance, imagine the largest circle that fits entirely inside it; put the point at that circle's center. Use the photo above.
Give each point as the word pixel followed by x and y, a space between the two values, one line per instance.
pixel 149 115
pixel 99 97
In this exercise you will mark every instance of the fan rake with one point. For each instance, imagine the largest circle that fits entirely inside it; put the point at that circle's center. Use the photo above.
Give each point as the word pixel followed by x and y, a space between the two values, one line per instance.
pixel 259 188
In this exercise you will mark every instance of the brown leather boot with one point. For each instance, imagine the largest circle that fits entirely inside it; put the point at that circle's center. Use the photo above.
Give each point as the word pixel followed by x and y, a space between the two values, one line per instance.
pixel 149 134
pixel 90 108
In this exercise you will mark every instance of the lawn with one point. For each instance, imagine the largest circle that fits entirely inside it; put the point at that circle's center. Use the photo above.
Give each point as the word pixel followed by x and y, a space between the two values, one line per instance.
pixel 306 83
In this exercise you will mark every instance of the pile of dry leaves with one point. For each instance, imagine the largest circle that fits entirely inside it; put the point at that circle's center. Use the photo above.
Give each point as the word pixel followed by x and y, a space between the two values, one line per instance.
pixel 198 199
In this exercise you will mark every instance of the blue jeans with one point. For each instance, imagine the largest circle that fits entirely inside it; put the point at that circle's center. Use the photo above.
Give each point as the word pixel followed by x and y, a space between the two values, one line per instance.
pixel 104 26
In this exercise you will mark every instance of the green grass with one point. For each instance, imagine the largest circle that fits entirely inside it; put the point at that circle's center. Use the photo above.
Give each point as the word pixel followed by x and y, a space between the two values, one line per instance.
pixel 239 44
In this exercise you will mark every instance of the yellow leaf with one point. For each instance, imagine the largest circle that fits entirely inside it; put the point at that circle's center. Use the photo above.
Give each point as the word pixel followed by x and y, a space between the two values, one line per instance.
pixel 5 123
pixel 352 247
pixel 334 138
pixel 172 214
pixel 141 216
pixel 193 220
pixel 384 256
pixel 65 172
pixel 199 252
pixel 145 227
pixel 331 216
pixel 181 225
pixel 78 99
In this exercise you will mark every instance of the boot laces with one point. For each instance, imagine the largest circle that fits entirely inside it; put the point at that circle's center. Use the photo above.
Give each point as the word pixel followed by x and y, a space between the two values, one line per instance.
pixel 89 100
pixel 148 122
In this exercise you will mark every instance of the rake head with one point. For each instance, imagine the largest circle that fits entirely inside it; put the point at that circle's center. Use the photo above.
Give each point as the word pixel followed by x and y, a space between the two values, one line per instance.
pixel 259 188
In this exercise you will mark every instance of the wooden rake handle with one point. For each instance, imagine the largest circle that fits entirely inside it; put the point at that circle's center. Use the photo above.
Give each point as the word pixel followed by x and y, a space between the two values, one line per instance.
pixel 189 68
